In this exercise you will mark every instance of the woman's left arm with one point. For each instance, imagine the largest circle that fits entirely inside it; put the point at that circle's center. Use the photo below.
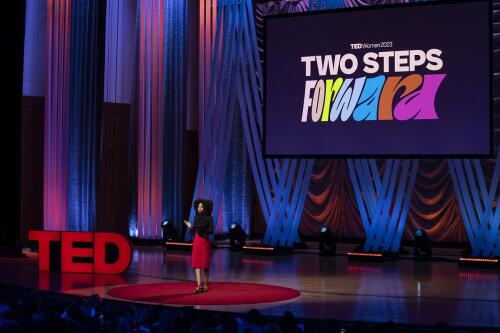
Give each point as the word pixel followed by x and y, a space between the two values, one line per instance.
pixel 210 225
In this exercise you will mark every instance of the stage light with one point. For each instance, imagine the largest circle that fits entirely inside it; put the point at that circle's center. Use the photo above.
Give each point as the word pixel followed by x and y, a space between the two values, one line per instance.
pixel 263 250
pixel 237 237
pixel 359 254
pixel 180 245
pixel 487 260
pixel 327 242
pixel 484 262
pixel 422 249
pixel 479 262
pixel 169 231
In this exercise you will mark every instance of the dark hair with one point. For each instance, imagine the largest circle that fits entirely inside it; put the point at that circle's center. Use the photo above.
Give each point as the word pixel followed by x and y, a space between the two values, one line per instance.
pixel 208 206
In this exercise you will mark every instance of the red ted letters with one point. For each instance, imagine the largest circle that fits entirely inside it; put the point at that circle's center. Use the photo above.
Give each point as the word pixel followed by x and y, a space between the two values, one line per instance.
pixel 69 251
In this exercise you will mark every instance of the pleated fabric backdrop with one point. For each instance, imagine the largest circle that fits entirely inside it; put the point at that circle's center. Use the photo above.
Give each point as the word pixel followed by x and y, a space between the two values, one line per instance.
pixel 451 201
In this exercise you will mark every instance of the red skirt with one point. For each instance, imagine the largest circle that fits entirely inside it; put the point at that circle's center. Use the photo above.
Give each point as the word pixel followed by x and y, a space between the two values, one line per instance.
pixel 200 257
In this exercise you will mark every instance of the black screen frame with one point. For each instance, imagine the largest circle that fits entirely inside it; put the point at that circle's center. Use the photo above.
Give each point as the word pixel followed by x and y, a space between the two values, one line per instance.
pixel 490 154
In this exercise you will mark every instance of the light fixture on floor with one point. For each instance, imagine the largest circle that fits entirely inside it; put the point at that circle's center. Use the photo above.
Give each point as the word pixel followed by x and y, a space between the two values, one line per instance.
pixel 170 232
pixel 422 249
pixel 327 242
pixel 237 237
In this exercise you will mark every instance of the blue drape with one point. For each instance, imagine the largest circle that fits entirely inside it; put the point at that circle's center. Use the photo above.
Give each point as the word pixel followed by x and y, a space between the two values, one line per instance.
pixel 175 109
pixel 86 99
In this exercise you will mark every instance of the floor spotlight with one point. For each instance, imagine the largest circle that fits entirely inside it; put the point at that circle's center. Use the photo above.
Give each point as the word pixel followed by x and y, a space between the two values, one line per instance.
pixel 169 231
pixel 237 237
pixel 422 249
pixel 327 242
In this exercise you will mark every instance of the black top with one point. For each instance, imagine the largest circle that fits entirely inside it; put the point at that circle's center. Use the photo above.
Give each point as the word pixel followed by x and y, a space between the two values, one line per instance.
pixel 203 225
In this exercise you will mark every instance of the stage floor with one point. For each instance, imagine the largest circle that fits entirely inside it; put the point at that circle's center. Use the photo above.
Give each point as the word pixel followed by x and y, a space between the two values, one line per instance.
pixel 403 291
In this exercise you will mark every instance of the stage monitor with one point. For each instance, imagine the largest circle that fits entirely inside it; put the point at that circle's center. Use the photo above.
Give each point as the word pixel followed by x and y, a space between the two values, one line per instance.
pixel 409 80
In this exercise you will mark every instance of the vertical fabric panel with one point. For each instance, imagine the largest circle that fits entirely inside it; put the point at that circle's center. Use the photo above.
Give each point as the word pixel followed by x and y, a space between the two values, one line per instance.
pixel 34 69
pixel 150 106
pixel 218 115
pixel 236 204
pixel 75 45
pixel 57 118
pixel 86 100
pixel 175 110
pixel 114 175
pixel 119 53
pixel 158 115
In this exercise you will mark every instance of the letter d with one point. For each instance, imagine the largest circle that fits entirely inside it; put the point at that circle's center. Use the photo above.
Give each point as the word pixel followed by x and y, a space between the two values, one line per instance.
pixel 124 253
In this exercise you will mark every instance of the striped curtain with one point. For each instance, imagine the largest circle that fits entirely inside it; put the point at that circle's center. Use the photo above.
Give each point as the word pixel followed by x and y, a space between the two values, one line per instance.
pixel 158 116
pixel 73 104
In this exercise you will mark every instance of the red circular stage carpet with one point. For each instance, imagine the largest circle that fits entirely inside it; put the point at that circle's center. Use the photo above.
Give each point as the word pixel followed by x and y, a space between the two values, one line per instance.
pixel 220 293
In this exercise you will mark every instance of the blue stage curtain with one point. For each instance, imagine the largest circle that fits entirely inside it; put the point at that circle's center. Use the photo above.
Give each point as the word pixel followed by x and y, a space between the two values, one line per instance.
pixel 237 204
pixel 74 83
pixel 158 112
pixel 175 109
pixel 119 54
pixel 35 40
pixel 219 51
pixel 86 99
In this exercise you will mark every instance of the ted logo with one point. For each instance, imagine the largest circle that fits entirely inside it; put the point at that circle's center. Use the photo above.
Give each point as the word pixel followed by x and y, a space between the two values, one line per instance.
pixel 91 258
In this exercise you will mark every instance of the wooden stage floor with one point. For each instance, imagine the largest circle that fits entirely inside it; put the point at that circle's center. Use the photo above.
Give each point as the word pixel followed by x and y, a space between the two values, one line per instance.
pixel 403 291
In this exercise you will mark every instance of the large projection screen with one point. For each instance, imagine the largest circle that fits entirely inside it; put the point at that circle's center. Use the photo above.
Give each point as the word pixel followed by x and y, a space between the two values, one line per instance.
pixel 389 81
